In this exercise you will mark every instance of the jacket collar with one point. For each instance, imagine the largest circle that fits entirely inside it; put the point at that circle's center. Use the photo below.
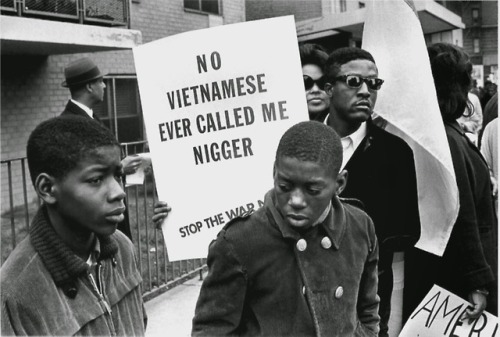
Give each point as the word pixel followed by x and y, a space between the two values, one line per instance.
pixel 334 224
pixel 61 262
pixel 455 126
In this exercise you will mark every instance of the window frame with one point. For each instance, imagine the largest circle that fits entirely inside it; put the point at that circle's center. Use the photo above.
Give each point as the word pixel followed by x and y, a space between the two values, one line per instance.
pixel 110 108
pixel 200 11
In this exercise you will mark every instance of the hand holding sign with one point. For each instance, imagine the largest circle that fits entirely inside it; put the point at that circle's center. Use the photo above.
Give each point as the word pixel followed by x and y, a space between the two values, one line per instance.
pixel 442 313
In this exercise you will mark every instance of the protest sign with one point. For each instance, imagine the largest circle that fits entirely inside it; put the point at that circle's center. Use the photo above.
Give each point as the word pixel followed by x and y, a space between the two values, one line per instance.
pixel 440 314
pixel 216 102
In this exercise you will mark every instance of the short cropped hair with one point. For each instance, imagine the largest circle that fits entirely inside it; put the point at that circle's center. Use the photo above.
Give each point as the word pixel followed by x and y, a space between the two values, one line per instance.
pixel 57 145
pixel 342 56
pixel 311 53
pixel 451 69
pixel 312 141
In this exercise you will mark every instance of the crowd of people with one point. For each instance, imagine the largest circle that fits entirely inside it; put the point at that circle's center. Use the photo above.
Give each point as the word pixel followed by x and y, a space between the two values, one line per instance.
pixel 314 260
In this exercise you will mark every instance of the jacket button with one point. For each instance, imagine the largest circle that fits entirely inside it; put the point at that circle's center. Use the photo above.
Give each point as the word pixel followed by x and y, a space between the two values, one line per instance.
pixel 339 292
pixel 303 290
pixel 326 242
pixel 301 245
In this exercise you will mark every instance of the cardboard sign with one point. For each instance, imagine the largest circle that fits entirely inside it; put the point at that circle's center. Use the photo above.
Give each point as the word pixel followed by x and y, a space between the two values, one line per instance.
pixel 216 102
pixel 440 314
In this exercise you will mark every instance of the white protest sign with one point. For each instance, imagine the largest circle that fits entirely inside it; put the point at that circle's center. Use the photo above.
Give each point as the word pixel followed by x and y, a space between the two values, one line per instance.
pixel 440 313
pixel 216 102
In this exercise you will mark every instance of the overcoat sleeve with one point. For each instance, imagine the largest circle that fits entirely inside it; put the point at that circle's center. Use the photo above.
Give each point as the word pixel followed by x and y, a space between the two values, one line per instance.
pixel 368 300
pixel 404 210
pixel 465 243
pixel 220 304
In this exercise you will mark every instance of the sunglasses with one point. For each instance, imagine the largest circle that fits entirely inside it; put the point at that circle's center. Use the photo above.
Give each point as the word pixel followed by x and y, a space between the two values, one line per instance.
pixel 355 81
pixel 309 82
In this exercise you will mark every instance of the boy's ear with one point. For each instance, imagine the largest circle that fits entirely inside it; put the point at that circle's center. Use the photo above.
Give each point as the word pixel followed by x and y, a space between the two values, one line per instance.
pixel 45 188
pixel 341 181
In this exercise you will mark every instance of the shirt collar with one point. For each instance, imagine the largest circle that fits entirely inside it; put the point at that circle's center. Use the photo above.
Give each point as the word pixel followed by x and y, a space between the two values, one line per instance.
pixel 84 108
pixel 358 135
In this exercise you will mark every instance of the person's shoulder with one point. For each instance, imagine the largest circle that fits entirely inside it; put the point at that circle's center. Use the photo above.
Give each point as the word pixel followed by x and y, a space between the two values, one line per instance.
pixel 356 216
pixel 23 266
pixel 388 138
pixel 125 245
pixel 243 223
pixel 352 202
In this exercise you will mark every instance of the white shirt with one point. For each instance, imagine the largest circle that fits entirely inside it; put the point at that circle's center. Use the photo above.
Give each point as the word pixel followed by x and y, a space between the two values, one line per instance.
pixel 351 142
pixel 84 108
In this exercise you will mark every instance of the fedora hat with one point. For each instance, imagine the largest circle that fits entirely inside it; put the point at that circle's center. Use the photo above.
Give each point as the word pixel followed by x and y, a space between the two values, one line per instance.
pixel 79 72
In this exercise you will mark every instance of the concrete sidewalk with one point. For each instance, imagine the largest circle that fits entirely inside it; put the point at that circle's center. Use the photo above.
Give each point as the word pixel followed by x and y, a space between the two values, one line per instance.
pixel 170 313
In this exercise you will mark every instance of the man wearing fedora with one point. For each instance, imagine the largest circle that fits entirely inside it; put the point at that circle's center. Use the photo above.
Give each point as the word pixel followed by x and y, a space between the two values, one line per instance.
pixel 85 83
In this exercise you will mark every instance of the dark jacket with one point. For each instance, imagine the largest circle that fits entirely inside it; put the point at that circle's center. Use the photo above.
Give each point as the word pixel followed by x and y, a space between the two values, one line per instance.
pixel 381 174
pixel 260 283
pixel 73 109
pixel 470 259
pixel 46 290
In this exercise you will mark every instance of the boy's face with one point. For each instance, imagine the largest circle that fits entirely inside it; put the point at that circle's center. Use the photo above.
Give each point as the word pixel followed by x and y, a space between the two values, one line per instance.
pixel 90 197
pixel 303 190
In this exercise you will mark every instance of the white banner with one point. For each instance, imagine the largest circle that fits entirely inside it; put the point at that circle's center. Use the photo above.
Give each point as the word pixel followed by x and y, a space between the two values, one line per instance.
pixel 216 102
pixel 408 102
pixel 441 313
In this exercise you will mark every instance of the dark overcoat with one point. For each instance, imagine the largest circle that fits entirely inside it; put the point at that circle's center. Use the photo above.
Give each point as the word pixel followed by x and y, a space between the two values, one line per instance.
pixel 470 258
pixel 381 173
pixel 267 279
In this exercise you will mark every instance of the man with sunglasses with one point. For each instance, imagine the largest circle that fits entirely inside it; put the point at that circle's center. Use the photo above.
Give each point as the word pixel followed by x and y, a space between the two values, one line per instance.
pixel 380 165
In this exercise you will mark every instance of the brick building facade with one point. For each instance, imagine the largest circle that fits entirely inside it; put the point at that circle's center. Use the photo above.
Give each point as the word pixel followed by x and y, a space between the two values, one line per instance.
pixel 31 88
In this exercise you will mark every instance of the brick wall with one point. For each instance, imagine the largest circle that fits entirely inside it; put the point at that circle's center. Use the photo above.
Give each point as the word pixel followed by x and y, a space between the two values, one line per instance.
pixel 302 9
pixel 31 86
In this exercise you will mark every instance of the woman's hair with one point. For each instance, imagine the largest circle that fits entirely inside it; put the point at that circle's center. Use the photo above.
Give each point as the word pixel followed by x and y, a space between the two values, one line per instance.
pixel 451 69
pixel 311 53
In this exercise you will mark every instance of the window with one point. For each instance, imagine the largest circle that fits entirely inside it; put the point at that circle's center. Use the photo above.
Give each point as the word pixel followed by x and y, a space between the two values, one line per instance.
pixel 475 13
pixel 121 109
pixel 343 6
pixel 362 4
pixel 477 47
pixel 207 6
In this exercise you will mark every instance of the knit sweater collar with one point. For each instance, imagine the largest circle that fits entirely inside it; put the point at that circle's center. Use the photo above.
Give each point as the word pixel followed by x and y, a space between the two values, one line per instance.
pixel 61 262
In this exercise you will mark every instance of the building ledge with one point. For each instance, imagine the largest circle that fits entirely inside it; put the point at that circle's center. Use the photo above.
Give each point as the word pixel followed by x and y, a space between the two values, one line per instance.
pixel 433 17
pixel 19 35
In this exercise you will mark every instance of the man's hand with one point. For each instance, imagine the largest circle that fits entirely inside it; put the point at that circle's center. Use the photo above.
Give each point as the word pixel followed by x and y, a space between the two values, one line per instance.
pixel 131 164
pixel 478 300
pixel 160 211
pixel 494 186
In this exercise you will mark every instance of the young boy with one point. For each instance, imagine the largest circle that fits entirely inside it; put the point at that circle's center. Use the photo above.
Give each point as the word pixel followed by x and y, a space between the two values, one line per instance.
pixel 304 264
pixel 74 274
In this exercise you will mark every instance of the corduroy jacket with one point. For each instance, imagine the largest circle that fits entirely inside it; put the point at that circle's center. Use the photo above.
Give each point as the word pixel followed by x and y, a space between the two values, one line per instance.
pixel 267 279
pixel 46 289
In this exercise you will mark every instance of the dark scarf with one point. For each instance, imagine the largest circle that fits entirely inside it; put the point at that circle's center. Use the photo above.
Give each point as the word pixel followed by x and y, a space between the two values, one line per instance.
pixel 61 262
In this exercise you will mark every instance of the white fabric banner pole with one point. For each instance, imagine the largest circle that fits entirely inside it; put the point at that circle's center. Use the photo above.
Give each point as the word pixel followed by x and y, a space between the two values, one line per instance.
pixel 216 102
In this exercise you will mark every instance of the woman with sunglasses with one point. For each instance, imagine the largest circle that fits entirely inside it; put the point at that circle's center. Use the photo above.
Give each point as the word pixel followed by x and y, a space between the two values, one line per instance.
pixel 313 57
pixel 468 267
